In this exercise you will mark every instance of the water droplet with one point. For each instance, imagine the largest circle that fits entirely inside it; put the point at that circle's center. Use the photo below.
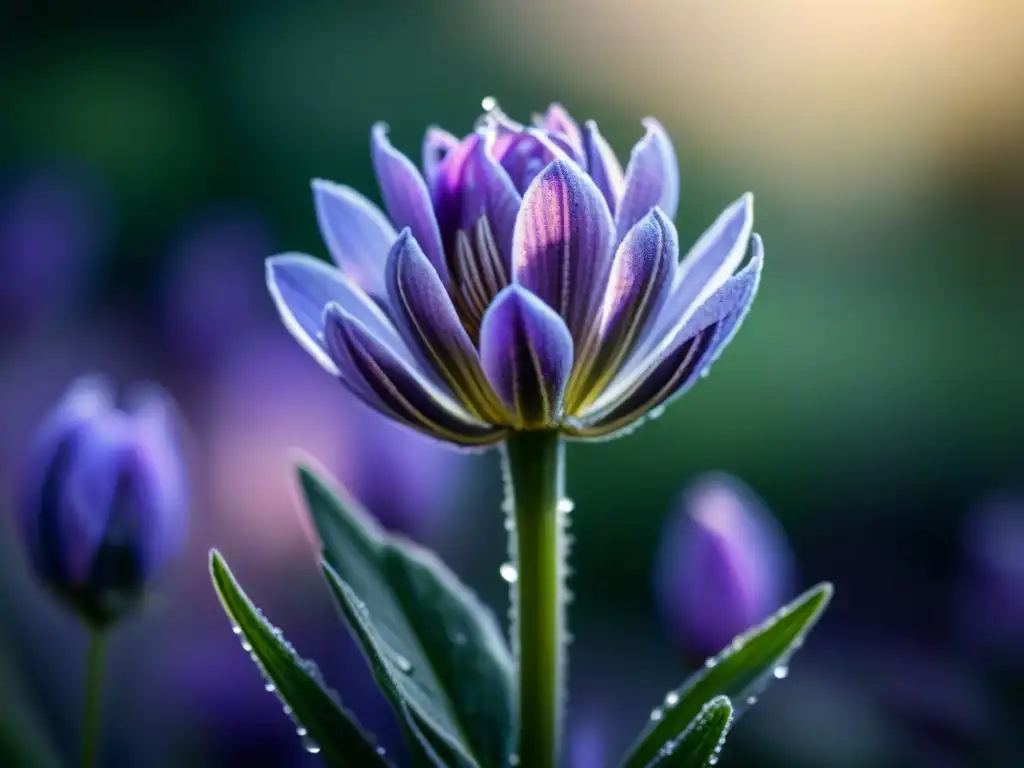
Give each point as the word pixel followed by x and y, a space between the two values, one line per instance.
pixel 656 714
pixel 751 700
pixel 403 664
pixel 509 573
pixel 308 744
pixel 269 688
pixel 566 505
pixel 510 524
pixel 513 759
pixel 236 629
pixel 781 671
pixel 712 760
pixel 671 699
pixel 301 731
pixel 508 507
pixel 488 103
pixel 246 646
pixel 381 751
pixel 711 662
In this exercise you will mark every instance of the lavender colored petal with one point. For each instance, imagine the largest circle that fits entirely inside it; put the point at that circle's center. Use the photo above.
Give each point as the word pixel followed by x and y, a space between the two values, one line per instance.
pixel 563 244
pixel 159 475
pixel 437 143
pixel 558 120
pixel 641 277
pixel 303 286
pixel 490 192
pixel 527 353
pixel 357 234
pixel 430 324
pixel 525 152
pixel 676 363
pixel 710 262
pixel 406 197
pixel 396 387
pixel 652 179
pixel 602 165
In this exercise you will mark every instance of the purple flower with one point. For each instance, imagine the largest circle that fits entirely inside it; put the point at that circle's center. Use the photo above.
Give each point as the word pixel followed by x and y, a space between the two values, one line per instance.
pixel 53 223
pixel 723 566
pixel 103 500
pixel 521 281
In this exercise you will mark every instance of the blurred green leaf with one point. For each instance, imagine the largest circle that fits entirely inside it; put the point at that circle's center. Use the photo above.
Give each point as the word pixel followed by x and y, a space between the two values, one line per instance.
pixel 740 672
pixel 702 741
pixel 436 651
pixel 330 730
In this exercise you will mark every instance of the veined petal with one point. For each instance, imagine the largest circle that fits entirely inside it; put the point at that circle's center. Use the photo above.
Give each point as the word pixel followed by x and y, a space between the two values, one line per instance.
pixel 641 277
pixel 525 152
pixel 431 325
pixel 710 262
pixel 303 286
pixel 526 350
pixel 490 192
pixel 679 360
pixel 391 384
pixel 652 179
pixel 357 233
pixel 437 143
pixel 563 244
pixel 602 165
pixel 406 197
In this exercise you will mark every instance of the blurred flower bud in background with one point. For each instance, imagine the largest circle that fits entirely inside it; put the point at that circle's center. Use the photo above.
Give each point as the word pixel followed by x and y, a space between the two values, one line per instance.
pixel 103 498
pixel 587 744
pixel 213 286
pixel 724 565
pixel 991 590
pixel 54 224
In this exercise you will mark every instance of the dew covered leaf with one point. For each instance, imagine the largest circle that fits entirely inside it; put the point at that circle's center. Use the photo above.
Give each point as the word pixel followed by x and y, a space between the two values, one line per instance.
pixel 702 741
pixel 436 651
pixel 329 730
pixel 740 672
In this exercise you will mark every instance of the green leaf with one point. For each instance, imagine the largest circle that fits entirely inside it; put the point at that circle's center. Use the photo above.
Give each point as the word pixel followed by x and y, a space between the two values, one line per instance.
pixel 702 741
pixel 330 730
pixel 740 672
pixel 438 653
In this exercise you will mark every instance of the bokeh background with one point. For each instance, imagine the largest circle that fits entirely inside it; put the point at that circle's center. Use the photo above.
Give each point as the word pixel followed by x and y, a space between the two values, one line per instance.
pixel 151 156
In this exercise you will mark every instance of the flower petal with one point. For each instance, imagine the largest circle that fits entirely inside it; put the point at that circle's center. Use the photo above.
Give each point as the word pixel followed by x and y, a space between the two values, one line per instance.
pixel 526 350
pixel 602 165
pixel 490 192
pixel 432 327
pixel 303 286
pixel 680 359
pixel 357 233
pixel 406 197
pixel 558 120
pixel 437 143
pixel 652 179
pixel 641 277
pixel 525 152
pixel 392 385
pixel 710 262
pixel 562 247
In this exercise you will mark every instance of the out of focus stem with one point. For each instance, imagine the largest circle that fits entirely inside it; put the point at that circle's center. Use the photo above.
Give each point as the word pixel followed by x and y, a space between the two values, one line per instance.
pixel 93 704
pixel 535 473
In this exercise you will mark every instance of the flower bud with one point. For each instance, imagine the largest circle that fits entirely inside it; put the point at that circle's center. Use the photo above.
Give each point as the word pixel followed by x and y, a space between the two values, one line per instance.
pixel 102 504
pixel 724 565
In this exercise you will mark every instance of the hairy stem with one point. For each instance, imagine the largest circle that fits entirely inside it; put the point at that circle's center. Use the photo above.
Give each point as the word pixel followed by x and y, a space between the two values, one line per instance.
pixel 535 474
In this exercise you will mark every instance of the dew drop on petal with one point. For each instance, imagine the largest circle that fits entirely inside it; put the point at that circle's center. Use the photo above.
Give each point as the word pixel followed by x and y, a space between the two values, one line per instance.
pixel 509 573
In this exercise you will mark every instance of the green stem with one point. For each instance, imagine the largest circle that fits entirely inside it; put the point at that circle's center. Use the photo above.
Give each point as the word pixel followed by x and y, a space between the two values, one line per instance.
pixel 535 473
pixel 93 697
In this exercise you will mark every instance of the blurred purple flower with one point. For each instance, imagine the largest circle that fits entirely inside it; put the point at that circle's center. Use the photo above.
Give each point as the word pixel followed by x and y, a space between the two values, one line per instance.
pixel 213 289
pixel 53 225
pixel 103 500
pixel 521 281
pixel 587 745
pixel 265 399
pixel 724 564
pixel 991 594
